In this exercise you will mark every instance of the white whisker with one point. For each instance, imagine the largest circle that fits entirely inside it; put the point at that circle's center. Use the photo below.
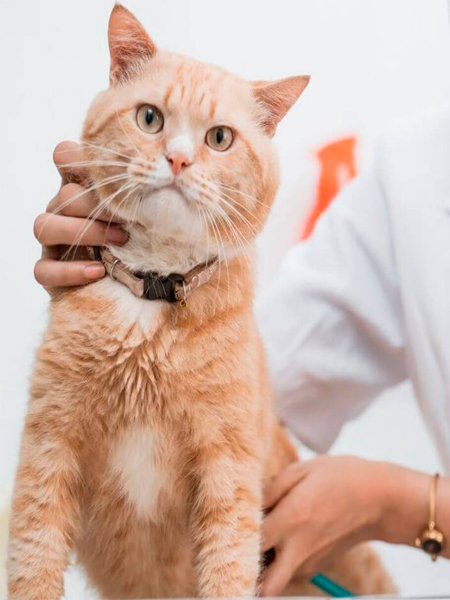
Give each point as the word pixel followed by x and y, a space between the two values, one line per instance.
pixel 92 217
pixel 242 244
pixel 104 148
pixel 238 191
pixel 96 186
pixel 122 202
pixel 222 197
pixel 94 163
pixel 73 198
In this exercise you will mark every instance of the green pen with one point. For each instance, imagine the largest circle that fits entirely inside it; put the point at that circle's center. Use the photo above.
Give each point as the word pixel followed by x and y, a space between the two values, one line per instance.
pixel 330 587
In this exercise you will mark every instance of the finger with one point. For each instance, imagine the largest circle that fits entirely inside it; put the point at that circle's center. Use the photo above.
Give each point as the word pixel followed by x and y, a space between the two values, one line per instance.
pixel 279 574
pixel 51 230
pixel 74 200
pixel 68 158
pixel 283 483
pixel 53 273
pixel 276 525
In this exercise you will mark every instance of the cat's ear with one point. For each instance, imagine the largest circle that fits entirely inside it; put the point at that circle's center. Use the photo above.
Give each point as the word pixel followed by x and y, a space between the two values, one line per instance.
pixel 129 43
pixel 277 97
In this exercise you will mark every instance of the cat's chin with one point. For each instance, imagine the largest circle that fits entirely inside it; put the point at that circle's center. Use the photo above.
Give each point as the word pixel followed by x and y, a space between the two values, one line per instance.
pixel 167 235
pixel 151 248
pixel 167 210
pixel 168 193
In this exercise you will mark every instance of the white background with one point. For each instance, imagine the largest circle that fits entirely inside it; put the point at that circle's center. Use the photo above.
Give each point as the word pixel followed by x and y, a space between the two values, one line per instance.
pixel 372 61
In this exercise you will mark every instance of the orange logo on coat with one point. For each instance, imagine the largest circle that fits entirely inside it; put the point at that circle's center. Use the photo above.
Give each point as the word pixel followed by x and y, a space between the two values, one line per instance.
pixel 337 168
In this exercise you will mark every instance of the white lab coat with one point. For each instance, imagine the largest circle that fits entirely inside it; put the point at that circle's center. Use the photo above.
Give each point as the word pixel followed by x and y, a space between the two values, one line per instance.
pixel 365 303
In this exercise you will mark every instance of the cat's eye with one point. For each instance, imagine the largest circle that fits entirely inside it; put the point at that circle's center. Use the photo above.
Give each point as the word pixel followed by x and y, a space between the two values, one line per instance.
pixel 219 138
pixel 149 118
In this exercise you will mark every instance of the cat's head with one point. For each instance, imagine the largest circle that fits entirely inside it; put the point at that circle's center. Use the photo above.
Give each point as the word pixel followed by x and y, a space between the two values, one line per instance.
pixel 182 147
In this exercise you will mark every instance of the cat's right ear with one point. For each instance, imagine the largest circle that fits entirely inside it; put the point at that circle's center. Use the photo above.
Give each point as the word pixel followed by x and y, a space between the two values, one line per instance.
pixel 277 97
pixel 129 43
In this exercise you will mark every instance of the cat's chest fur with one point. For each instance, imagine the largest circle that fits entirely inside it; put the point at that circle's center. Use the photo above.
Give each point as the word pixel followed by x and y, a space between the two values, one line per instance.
pixel 142 473
pixel 142 462
pixel 128 310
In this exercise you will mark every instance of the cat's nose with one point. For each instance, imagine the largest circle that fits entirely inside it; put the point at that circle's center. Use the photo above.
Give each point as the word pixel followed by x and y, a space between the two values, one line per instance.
pixel 177 161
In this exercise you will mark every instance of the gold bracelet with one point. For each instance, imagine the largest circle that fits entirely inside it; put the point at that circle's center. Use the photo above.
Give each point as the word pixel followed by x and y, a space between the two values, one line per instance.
pixel 432 540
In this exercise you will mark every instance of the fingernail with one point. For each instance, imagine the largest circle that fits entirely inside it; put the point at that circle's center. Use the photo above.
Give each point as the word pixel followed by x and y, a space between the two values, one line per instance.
pixel 94 272
pixel 116 235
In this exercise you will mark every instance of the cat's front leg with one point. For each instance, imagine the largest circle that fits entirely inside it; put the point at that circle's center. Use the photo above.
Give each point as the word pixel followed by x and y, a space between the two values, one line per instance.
pixel 44 513
pixel 227 523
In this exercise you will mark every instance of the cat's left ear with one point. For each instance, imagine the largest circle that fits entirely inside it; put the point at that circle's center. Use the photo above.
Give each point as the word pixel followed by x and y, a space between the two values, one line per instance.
pixel 277 97
pixel 129 43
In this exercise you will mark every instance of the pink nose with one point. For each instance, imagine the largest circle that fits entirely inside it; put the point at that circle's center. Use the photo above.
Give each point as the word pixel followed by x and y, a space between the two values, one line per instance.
pixel 177 161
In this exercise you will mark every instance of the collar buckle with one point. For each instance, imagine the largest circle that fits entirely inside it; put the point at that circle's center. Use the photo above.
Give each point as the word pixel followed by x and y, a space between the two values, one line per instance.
pixel 162 288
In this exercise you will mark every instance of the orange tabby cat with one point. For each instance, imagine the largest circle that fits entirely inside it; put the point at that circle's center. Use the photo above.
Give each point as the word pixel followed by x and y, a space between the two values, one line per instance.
pixel 150 431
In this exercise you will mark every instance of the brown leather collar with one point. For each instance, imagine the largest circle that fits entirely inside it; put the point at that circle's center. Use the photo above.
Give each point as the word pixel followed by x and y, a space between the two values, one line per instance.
pixel 152 286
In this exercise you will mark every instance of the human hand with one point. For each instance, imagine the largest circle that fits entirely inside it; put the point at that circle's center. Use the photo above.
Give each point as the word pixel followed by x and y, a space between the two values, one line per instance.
pixel 319 508
pixel 66 223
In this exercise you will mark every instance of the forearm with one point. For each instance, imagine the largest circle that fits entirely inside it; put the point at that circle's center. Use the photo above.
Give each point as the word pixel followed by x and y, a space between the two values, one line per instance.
pixel 404 505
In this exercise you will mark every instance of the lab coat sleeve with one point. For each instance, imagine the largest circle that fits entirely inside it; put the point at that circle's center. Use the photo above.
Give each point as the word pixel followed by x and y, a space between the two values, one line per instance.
pixel 331 318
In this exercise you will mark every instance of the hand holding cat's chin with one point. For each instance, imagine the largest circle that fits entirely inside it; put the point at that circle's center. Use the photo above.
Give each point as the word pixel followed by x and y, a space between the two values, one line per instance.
pixel 64 223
